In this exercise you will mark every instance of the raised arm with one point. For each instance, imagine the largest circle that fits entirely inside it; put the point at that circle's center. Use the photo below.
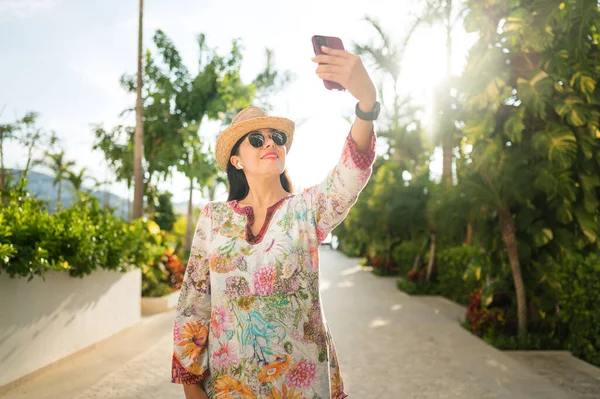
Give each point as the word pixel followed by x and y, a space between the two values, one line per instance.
pixel 332 199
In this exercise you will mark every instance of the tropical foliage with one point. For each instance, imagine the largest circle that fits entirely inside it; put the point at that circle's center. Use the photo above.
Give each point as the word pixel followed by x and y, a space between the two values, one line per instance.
pixel 35 238
pixel 515 236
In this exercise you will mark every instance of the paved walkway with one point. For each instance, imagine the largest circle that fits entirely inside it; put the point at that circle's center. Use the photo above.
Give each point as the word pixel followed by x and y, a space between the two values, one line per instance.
pixel 390 345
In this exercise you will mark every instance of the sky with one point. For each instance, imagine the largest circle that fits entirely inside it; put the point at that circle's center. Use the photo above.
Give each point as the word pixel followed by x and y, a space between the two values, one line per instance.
pixel 64 59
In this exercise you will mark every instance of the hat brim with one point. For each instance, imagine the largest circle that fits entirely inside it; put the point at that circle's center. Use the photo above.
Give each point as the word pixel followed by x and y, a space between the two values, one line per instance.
pixel 232 134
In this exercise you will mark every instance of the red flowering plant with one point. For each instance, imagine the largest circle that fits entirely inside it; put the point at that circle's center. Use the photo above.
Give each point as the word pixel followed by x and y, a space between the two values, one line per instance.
pixel 417 275
pixel 164 273
pixel 175 269
pixel 480 318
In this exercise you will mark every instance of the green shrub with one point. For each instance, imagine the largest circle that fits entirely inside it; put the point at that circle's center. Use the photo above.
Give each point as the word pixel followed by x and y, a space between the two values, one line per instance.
pixel 459 272
pixel 77 239
pixel 404 256
pixel 352 243
pixel 163 275
pixel 580 305
pixel 381 258
pixel 417 287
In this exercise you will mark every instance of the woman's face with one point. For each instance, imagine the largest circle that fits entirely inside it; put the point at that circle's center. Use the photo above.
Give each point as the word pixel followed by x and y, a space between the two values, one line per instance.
pixel 266 160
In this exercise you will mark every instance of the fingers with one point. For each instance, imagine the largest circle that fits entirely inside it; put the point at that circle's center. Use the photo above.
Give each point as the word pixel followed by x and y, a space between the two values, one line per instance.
pixel 329 59
pixel 334 77
pixel 336 52
pixel 331 69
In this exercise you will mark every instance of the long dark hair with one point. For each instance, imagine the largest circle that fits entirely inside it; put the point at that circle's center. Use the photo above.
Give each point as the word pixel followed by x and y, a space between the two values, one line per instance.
pixel 238 185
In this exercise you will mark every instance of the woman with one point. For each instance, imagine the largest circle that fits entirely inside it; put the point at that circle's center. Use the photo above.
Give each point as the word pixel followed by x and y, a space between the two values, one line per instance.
pixel 249 322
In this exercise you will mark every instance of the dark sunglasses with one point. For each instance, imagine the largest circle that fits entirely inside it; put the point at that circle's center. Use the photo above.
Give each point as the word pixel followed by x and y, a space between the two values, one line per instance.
pixel 257 139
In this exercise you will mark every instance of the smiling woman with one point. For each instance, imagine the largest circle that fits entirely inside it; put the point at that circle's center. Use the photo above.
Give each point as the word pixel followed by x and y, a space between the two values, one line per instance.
pixel 249 321
pixel 261 149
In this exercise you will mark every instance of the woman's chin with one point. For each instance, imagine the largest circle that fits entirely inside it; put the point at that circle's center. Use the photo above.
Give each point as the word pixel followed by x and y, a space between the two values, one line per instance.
pixel 273 168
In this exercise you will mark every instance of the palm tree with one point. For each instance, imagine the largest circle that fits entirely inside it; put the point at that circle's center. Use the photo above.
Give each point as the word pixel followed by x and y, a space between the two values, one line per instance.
pixel 102 185
pixel 197 167
pixel 213 184
pixel 404 141
pixel 531 100
pixel 138 196
pixel 495 188
pixel 77 179
pixel 61 168
pixel 442 12
pixel 6 133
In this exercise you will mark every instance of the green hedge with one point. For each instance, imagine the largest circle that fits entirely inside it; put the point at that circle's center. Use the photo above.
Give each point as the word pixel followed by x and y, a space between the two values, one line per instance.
pixel 404 255
pixel 459 272
pixel 77 239
pixel 417 287
pixel 579 303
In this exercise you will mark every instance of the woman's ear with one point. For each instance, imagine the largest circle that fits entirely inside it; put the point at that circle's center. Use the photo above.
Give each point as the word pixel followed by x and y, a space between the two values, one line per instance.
pixel 236 162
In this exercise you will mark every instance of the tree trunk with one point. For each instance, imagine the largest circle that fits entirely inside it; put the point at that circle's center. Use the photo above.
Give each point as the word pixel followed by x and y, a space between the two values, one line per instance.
pixel 150 209
pixel 507 227
pixel 150 200
pixel 59 195
pixel 3 186
pixel 447 137
pixel 416 263
pixel 212 189
pixel 469 239
pixel 2 170
pixel 138 151
pixel 447 158
pixel 106 198
pixel 190 219
pixel 431 257
pixel 128 203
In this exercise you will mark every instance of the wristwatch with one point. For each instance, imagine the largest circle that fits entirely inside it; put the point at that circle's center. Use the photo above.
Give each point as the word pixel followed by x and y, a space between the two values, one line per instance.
pixel 368 116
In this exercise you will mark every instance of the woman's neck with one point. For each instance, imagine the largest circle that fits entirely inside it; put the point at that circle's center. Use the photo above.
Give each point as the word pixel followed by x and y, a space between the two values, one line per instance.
pixel 264 193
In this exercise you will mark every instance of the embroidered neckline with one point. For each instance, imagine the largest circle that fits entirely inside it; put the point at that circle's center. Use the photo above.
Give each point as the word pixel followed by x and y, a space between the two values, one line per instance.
pixel 248 211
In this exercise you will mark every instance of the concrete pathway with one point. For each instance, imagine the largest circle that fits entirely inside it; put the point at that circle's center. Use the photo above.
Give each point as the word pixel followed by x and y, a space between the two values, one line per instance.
pixel 390 345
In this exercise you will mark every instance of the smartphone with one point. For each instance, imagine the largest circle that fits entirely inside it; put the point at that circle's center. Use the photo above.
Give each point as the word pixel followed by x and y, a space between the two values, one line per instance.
pixel 331 42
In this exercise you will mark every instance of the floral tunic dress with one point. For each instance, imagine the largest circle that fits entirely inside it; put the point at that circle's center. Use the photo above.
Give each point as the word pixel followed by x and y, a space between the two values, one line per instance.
pixel 249 321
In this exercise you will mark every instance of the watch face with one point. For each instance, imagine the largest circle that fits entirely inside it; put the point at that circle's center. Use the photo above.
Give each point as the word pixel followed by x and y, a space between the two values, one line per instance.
pixel 370 116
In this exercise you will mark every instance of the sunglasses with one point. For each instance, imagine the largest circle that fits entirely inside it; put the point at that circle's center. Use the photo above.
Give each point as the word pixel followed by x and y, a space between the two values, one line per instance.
pixel 257 139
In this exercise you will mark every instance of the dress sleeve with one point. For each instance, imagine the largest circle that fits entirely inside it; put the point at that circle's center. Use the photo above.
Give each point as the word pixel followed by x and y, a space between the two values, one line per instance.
pixel 192 317
pixel 332 199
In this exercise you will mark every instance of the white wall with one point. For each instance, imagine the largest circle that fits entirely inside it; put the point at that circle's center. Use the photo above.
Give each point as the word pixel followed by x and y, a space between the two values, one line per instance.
pixel 44 321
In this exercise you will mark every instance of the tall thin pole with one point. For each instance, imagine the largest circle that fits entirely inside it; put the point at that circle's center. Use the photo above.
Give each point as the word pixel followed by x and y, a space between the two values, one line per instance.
pixel 138 143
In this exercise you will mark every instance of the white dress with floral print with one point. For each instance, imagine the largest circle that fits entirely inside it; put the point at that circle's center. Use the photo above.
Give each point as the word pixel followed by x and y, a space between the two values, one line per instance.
pixel 249 322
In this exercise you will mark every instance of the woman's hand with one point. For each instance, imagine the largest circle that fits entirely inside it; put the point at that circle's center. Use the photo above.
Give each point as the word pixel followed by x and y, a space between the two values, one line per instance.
pixel 194 391
pixel 348 70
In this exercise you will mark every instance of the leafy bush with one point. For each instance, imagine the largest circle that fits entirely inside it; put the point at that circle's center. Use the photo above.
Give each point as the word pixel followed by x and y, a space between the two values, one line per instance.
pixel 531 341
pixel 77 239
pixel 162 276
pixel 579 305
pixel 164 214
pixel 380 258
pixel 480 319
pixel 352 242
pixel 417 287
pixel 404 256
pixel 460 270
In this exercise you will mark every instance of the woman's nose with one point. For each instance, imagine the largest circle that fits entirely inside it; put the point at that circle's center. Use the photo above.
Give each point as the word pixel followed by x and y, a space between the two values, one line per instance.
pixel 269 142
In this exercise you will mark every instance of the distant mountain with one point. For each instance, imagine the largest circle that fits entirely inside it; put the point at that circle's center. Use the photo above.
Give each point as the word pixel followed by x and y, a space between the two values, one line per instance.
pixel 182 207
pixel 40 186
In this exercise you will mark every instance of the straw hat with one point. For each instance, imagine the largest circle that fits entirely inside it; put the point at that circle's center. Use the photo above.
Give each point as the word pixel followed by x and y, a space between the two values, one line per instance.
pixel 246 121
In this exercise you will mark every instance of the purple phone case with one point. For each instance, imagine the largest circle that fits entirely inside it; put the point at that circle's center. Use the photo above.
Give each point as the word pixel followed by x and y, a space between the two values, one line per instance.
pixel 335 43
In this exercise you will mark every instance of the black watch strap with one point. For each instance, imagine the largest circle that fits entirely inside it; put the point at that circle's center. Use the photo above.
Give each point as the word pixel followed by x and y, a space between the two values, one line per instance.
pixel 368 116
